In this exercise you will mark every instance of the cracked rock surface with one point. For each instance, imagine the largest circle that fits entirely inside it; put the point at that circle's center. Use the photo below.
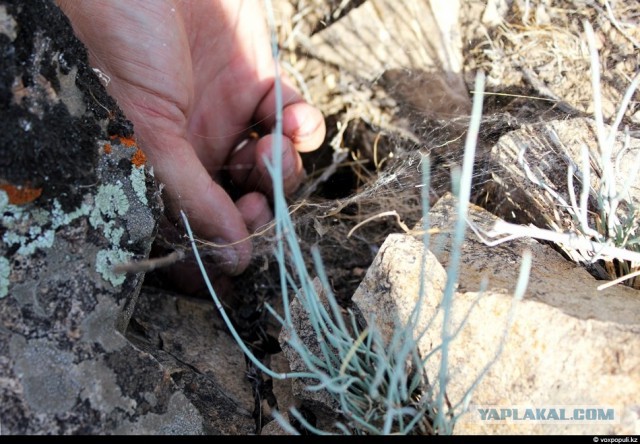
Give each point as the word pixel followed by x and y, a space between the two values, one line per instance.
pixel 73 203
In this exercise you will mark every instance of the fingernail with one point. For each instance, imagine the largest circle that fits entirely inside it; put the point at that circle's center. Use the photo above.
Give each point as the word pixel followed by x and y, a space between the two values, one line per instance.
pixel 226 256
pixel 308 126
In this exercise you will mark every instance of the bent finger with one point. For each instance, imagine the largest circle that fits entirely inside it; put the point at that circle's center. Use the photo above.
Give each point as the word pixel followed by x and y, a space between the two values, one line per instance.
pixel 211 212
pixel 302 123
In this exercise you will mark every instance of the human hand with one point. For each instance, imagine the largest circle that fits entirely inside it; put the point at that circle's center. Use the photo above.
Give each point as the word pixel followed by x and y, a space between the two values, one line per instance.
pixel 195 77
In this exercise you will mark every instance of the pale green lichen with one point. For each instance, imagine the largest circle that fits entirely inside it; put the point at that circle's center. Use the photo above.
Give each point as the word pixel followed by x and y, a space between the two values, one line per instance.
pixel 138 183
pixel 33 228
pixel 8 24
pixel 59 218
pixel 111 201
pixel 4 200
pixel 29 243
pixel 5 271
pixel 40 239
pixel 106 259
pixel 25 227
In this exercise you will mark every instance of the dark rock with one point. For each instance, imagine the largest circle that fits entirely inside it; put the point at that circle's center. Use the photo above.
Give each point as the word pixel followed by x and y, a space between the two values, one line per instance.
pixel 52 104
pixel 192 343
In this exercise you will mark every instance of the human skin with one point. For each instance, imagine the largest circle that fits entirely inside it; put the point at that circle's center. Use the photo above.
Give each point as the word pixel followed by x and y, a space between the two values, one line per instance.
pixel 195 78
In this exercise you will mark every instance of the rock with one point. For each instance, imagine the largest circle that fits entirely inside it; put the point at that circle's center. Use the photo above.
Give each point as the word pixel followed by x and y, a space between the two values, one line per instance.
pixel 315 14
pixel 274 428
pixel 75 199
pixel 282 388
pixel 191 341
pixel 561 74
pixel 318 413
pixel 419 68
pixel 495 12
pixel 569 344
pixel 400 71
pixel 387 293
pixel 320 399
pixel 393 38
pixel 547 149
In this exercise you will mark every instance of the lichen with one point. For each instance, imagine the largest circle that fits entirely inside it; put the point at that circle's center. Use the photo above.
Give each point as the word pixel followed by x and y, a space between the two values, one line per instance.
pixel 139 159
pixel 129 142
pixel 110 201
pixel 5 271
pixel 20 195
pixel 36 237
pixel 138 183
pixel 106 259
pixel 4 201
pixel 40 239
pixel 59 218
pixel 33 228
pixel 8 25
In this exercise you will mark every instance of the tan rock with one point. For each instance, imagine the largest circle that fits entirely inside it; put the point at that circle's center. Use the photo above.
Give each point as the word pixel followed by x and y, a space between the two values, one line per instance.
pixel 414 51
pixel 422 34
pixel 569 344
pixel 390 292
pixel 305 331
pixel 273 428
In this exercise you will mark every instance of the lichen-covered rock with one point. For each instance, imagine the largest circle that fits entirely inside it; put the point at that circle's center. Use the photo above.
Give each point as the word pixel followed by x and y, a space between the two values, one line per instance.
pixel 74 201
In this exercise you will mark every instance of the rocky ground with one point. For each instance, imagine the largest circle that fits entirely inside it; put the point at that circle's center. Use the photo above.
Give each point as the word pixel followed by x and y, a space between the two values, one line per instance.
pixel 394 83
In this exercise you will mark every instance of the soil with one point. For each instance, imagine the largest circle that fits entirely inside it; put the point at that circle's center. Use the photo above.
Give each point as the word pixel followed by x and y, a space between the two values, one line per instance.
pixel 537 66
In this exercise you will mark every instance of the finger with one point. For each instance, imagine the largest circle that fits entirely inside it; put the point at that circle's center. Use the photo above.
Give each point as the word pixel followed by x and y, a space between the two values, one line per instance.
pixel 302 123
pixel 241 162
pixel 255 211
pixel 249 171
pixel 292 171
pixel 211 212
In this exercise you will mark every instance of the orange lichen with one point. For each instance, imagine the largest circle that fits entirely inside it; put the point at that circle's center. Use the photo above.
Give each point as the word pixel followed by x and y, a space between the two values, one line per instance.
pixel 107 148
pixel 19 195
pixel 139 158
pixel 128 142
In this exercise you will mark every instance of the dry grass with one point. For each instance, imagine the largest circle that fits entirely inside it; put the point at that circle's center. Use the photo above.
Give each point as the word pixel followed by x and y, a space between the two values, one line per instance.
pixel 541 44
